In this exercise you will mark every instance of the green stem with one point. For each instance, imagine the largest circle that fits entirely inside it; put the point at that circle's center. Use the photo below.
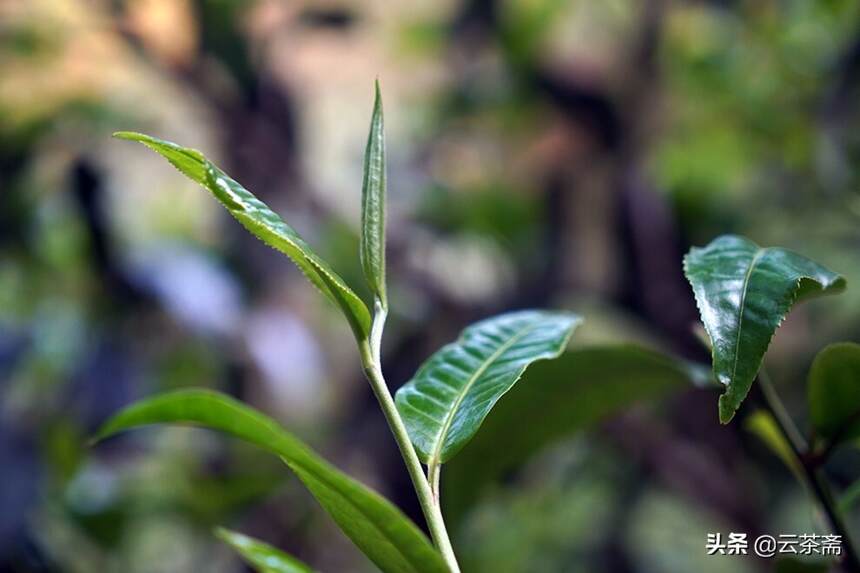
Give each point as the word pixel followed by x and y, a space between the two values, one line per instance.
pixel 434 470
pixel 370 358
pixel 812 475
pixel 781 415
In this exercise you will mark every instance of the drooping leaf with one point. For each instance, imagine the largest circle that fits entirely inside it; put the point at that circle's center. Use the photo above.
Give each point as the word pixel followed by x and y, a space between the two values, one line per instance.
pixel 261 556
pixel 834 392
pixel 372 249
pixel 743 293
pixel 378 528
pixel 555 400
pixel 262 222
pixel 447 400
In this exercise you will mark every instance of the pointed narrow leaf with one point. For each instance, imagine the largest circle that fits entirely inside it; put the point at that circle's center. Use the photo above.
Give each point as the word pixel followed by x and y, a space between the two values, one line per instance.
pixel 378 528
pixel 834 392
pixel 262 222
pixel 373 205
pixel 743 293
pixel 261 556
pixel 447 400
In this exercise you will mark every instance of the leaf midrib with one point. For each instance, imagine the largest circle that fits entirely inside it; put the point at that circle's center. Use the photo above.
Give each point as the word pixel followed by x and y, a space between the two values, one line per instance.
pixel 741 306
pixel 449 418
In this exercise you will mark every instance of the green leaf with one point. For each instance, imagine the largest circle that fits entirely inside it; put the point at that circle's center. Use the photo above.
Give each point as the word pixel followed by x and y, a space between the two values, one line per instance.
pixel 372 249
pixel 261 556
pixel 444 404
pixel 262 222
pixel 850 497
pixel 555 400
pixel 378 528
pixel 743 293
pixel 834 392
pixel 763 425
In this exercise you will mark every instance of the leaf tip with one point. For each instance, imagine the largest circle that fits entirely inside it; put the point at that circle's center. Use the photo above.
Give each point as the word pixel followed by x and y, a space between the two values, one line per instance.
pixel 727 410
pixel 377 97
pixel 128 135
pixel 839 284
pixel 101 435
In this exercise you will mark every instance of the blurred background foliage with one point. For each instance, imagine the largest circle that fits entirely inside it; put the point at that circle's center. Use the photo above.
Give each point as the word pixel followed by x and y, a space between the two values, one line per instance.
pixel 541 153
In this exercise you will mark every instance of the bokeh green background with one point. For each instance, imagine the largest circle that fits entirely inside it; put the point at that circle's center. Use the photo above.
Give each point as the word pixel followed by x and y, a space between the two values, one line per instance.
pixel 544 153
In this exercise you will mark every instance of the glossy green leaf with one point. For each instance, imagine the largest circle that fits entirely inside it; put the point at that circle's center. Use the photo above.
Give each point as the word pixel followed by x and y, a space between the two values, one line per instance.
pixel 834 392
pixel 378 528
pixel 555 400
pixel 261 556
pixel 262 222
pixel 372 249
pixel 447 400
pixel 743 293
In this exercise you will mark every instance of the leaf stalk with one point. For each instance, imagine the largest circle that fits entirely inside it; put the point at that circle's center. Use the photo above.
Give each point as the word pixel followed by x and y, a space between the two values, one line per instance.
pixel 370 350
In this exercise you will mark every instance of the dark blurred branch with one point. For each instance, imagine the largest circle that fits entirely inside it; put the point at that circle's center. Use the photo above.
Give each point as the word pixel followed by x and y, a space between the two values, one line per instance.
pixel 812 474
pixel 836 106
pixel 846 74
pixel 583 104
pixel 657 286
pixel 86 188
pixel 476 18
pixel 685 466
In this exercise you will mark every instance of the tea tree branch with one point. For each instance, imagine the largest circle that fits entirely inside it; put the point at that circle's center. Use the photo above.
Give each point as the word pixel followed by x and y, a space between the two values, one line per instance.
pixel 370 358
pixel 811 473
pixel 372 535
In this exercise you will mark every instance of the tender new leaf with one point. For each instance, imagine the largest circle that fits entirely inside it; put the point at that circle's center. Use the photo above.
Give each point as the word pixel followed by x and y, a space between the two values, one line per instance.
pixel 378 528
pixel 743 293
pixel 372 249
pixel 447 400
